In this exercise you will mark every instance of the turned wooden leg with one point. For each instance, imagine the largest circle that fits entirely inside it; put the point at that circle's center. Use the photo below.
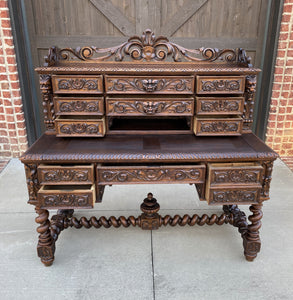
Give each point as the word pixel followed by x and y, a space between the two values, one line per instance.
pixel 46 244
pixel 57 222
pixel 251 240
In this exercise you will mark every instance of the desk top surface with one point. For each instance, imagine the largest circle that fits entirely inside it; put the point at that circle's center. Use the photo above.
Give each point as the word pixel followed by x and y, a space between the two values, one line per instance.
pixel 148 148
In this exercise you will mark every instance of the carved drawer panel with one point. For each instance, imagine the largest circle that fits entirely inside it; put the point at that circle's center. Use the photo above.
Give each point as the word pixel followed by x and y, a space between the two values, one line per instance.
pixel 217 126
pixel 149 84
pixel 234 183
pixel 55 197
pixel 219 105
pixel 152 174
pixel 233 196
pixel 56 174
pixel 149 107
pixel 77 84
pixel 220 84
pixel 79 126
pixel 79 106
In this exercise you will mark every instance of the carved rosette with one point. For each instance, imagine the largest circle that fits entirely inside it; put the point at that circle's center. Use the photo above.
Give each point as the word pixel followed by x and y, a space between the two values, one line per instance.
pixel 32 182
pixel 150 85
pixel 268 169
pixel 65 175
pixel 149 175
pixel 250 89
pixel 48 105
pixel 220 85
pixel 150 108
pixel 79 106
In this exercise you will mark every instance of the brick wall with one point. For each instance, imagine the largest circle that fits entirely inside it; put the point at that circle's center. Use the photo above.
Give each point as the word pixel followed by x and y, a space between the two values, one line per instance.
pixel 280 125
pixel 13 139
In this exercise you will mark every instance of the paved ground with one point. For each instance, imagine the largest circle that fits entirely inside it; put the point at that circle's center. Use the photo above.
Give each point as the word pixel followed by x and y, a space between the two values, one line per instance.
pixel 171 263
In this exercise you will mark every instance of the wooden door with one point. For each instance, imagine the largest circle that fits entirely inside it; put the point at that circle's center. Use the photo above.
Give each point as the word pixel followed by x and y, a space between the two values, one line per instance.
pixel 190 23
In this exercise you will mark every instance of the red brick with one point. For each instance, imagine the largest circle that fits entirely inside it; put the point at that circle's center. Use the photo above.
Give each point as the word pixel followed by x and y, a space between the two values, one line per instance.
pixel 2 60
pixel 11 60
pixel 10 51
pixel 288 70
pixel 284 27
pixel 20 125
pixel 283 36
pixel 6 94
pixel 5 153
pixel 278 78
pixel 280 62
pixel 287 78
pixel 3 77
pixel 286 18
pixel 290 53
pixel 287 8
pixel 286 87
pixel 9 118
pixel 12 68
pixel 7 32
pixel 281 118
pixel 9 42
pixel 3 133
pixel 9 110
pixel 6 147
pixel 23 140
pixel 23 147
pixel 13 77
pixel 289 62
pixel 21 132
pixel 281 53
pixel 276 87
pixel 7 102
pixel 283 102
pixel 289 117
pixel 17 102
pixel 272 117
pixel 14 85
pixel 5 86
pixel 5 23
pixel 288 125
pixel 285 94
pixel 20 117
pixel 11 126
pixel 288 110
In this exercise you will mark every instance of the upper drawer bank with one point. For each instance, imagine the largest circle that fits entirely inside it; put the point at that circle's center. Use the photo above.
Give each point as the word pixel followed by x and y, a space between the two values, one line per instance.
pixel 77 84
pixel 220 85
pixel 149 84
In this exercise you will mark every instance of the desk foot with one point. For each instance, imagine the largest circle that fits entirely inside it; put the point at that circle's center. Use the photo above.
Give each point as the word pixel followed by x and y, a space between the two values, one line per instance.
pixel 251 239
pixel 46 244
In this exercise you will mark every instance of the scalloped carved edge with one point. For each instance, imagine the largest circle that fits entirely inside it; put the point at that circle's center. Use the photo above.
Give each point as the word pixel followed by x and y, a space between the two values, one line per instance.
pixel 148 47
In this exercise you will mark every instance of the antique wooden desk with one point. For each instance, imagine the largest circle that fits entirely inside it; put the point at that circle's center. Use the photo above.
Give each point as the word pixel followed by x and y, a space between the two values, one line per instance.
pixel 147 120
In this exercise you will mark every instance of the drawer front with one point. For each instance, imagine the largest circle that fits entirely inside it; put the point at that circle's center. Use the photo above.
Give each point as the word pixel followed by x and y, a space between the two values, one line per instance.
pixel 217 126
pixel 141 174
pixel 52 175
pixel 55 197
pixel 233 196
pixel 149 107
pixel 236 174
pixel 80 127
pixel 219 105
pixel 149 84
pixel 77 84
pixel 220 84
pixel 79 106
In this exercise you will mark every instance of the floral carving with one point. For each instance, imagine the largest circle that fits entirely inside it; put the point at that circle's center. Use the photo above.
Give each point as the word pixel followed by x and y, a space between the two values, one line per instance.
pixel 79 106
pixel 236 176
pixel 234 196
pixel 66 200
pixel 79 128
pixel 220 85
pixel 150 107
pixel 149 85
pixel 32 182
pixel 220 105
pixel 250 89
pixel 147 47
pixel 219 126
pixel 77 84
pixel 65 175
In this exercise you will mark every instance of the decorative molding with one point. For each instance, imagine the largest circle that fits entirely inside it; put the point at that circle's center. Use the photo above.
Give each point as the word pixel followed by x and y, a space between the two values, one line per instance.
pixel 237 196
pixel 148 47
pixel 64 200
pixel 235 176
pixel 77 84
pixel 78 106
pixel 220 105
pixel 219 126
pixel 79 128
pixel 65 175
pixel 250 90
pixel 267 177
pixel 32 182
pixel 220 85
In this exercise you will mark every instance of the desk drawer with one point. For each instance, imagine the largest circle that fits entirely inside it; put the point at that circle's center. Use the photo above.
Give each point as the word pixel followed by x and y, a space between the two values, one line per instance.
pixel 213 126
pixel 79 106
pixel 56 197
pixel 77 84
pixel 81 126
pixel 234 183
pixel 219 105
pixel 149 107
pixel 149 84
pixel 220 84
pixel 152 174
pixel 63 175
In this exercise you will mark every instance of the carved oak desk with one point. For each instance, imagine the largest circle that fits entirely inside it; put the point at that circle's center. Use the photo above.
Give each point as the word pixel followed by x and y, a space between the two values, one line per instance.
pixel 147 121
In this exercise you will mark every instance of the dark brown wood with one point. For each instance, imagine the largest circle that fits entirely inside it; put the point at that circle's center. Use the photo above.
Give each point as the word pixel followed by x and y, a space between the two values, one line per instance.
pixel 134 121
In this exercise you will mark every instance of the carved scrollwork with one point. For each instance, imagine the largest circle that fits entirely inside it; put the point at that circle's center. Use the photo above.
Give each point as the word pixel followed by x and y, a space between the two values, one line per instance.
pixel 220 106
pixel 148 47
pixel 78 128
pixel 267 177
pixel 220 85
pixel 220 126
pixel 234 196
pixel 32 182
pixel 79 106
pixel 149 85
pixel 150 108
pixel 77 84
pixel 236 176
pixel 250 89
pixel 66 200
pixel 65 175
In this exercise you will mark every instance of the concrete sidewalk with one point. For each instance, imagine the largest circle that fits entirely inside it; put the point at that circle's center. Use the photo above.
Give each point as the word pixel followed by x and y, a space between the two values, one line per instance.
pixel 170 263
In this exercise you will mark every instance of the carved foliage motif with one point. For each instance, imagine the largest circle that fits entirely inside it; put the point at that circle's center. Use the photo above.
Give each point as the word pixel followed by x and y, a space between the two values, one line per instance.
pixel 250 89
pixel 150 85
pixel 149 175
pixel 48 105
pixel 219 126
pixel 65 175
pixel 79 106
pixel 66 200
pixel 220 85
pixel 220 105
pixel 78 128
pixel 234 196
pixel 150 108
pixel 77 84
pixel 268 167
pixel 148 47
pixel 32 182
pixel 236 176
